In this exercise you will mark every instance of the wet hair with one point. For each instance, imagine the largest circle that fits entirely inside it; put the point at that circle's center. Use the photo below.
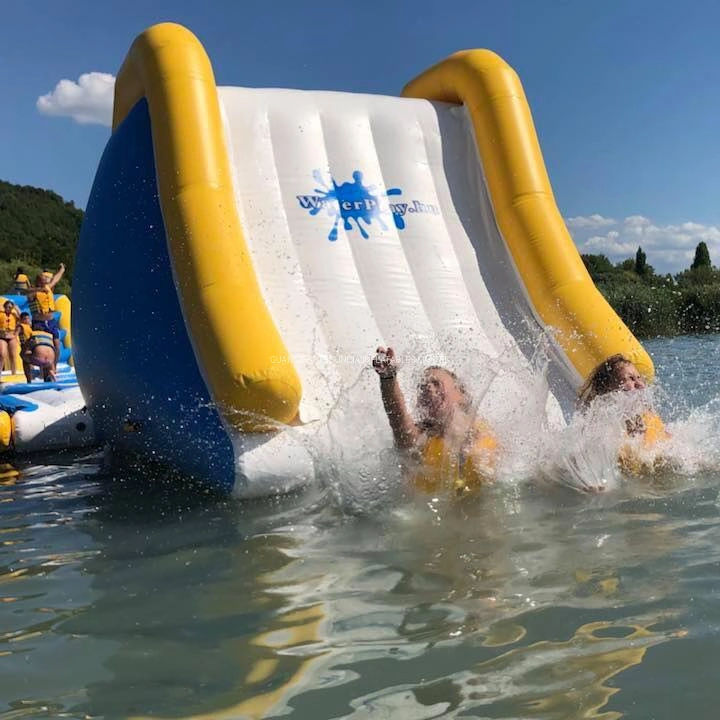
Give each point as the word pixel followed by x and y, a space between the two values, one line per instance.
pixel 8 302
pixel 602 380
pixel 467 401
pixel 20 271
pixel 24 315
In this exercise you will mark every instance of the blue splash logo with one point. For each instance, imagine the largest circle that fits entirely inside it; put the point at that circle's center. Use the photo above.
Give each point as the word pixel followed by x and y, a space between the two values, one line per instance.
pixel 359 203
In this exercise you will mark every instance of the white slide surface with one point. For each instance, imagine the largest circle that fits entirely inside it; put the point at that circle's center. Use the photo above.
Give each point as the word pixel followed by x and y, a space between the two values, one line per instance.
pixel 369 223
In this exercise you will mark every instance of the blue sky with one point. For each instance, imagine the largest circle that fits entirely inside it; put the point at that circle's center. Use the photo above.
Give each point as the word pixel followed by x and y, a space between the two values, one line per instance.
pixel 624 93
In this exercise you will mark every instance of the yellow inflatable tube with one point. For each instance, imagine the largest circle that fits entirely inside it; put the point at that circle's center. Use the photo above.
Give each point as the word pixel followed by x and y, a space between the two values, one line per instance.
pixel 168 66
pixel 6 431
pixel 559 286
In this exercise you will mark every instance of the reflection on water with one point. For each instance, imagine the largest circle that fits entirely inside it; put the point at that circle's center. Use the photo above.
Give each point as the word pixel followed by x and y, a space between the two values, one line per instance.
pixel 121 598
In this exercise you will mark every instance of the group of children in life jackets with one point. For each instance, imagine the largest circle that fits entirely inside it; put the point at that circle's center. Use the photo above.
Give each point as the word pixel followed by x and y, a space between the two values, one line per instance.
pixel 447 447
pixel 36 334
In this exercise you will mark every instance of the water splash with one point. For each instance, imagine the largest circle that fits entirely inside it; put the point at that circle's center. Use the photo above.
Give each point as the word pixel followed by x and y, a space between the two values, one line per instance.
pixel 352 455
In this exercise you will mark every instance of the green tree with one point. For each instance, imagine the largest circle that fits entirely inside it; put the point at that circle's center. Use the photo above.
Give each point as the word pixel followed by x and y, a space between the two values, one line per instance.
pixel 640 263
pixel 598 266
pixel 701 272
pixel 702 257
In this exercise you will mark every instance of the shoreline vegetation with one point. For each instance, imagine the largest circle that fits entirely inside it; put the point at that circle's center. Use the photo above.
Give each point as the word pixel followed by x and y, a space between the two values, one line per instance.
pixel 39 230
pixel 653 305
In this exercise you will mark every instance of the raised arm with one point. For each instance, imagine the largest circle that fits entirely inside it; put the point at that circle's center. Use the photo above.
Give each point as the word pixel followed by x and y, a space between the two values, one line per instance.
pixel 56 277
pixel 403 426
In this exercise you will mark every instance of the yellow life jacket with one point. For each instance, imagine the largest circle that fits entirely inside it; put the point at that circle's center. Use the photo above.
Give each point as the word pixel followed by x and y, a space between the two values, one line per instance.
pixel 40 338
pixel 22 282
pixel 654 429
pixel 8 323
pixel 638 459
pixel 42 302
pixel 443 467
pixel 25 332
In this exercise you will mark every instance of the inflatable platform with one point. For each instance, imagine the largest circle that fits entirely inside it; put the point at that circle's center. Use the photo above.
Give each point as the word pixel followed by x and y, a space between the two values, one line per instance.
pixel 40 416
pixel 245 250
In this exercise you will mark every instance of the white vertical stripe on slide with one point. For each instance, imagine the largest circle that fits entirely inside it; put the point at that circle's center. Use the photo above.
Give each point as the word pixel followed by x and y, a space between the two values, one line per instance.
pixel 444 134
pixel 304 167
pixel 274 254
pixel 390 291
pixel 427 239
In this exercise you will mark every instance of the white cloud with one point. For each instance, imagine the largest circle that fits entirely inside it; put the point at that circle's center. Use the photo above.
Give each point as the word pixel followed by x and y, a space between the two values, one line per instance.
pixel 589 221
pixel 669 248
pixel 89 100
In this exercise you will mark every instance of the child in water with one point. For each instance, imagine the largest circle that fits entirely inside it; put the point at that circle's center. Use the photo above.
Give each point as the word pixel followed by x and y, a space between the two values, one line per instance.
pixel 452 448
pixel 618 374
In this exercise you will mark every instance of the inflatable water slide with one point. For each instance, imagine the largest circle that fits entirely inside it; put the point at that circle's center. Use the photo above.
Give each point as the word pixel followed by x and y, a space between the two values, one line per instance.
pixel 245 250
pixel 39 415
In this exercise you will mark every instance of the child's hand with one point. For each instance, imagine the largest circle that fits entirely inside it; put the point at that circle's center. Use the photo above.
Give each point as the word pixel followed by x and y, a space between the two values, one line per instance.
pixel 384 363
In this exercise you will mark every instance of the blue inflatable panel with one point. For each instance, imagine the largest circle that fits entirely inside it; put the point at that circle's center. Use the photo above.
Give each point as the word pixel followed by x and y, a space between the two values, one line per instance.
pixel 25 388
pixel 134 358
pixel 11 404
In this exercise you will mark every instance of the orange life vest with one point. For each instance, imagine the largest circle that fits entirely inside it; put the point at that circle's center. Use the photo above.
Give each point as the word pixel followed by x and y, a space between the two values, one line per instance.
pixel 22 282
pixel 639 458
pixel 8 323
pixel 444 467
pixel 25 332
pixel 42 302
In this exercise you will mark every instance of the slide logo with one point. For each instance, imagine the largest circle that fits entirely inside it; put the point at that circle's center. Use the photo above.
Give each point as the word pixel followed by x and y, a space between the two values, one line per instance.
pixel 359 203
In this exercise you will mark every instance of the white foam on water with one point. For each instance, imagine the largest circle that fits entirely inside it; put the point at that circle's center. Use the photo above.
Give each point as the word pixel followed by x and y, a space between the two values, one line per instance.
pixel 353 454
pixel 353 451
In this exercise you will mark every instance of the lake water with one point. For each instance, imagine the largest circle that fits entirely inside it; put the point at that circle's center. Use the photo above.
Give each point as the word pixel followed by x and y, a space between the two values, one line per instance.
pixel 120 598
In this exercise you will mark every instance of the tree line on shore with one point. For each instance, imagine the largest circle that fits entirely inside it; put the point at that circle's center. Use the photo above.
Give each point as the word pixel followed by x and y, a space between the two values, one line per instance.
pixel 660 305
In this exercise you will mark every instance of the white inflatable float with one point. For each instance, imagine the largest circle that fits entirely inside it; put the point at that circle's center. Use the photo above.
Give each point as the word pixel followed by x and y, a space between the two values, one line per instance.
pixel 44 416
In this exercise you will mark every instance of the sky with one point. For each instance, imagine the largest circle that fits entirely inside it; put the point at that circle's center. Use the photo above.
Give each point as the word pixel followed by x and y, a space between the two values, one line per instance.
pixel 624 93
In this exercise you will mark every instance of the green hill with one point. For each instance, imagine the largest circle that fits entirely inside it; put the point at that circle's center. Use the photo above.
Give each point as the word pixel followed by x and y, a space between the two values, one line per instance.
pixel 38 230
